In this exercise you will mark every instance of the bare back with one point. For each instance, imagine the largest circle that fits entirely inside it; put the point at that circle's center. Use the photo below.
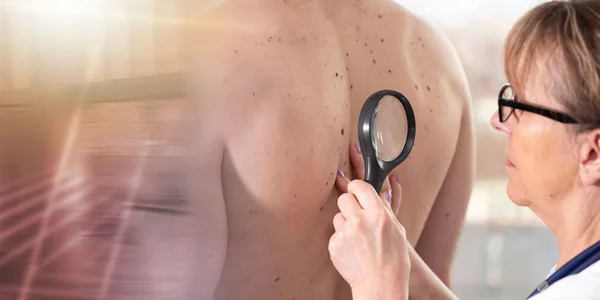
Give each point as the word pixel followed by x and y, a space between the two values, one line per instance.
pixel 284 83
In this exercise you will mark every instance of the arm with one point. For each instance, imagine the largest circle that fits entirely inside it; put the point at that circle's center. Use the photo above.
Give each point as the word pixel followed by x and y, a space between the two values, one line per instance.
pixel 424 283
pixel 209 216
pixel 437 245
pixel 439 238
pixel 206 138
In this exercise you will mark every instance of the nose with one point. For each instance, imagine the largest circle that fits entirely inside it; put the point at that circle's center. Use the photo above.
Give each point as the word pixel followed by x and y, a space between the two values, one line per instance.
pixel 500 126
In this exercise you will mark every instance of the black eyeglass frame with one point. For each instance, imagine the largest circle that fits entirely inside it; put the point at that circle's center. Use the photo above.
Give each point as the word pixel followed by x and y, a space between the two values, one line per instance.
pixel 515 104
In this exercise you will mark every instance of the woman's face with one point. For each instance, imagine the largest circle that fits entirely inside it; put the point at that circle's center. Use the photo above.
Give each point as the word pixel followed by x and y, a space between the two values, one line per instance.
pixel 540 162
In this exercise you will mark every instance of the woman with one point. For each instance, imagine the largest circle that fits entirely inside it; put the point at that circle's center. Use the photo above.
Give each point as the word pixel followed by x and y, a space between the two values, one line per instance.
pixel 550 112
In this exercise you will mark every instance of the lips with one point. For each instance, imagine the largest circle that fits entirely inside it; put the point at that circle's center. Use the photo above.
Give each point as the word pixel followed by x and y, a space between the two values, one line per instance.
pixel 508 163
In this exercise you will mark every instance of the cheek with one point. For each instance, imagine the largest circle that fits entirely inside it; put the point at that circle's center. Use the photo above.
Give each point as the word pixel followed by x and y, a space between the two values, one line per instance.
pixel 543 165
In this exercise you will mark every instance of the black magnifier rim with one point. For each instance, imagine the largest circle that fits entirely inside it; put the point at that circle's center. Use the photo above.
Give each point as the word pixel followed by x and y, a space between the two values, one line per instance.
pixel 366 119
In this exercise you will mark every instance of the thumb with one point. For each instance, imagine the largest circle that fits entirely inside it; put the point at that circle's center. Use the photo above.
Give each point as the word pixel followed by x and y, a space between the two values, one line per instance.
pixel 396 194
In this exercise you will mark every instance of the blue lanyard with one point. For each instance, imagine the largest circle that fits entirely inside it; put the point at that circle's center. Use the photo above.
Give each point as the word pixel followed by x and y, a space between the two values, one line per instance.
pixel 574 266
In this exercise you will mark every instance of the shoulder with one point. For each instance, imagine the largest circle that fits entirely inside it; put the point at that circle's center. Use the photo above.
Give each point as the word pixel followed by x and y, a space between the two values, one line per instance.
pixel 583 286
pixel 233 56
pixel 432 49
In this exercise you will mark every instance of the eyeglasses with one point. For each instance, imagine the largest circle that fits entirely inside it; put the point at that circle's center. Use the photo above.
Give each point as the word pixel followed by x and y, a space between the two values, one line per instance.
pixel 507 103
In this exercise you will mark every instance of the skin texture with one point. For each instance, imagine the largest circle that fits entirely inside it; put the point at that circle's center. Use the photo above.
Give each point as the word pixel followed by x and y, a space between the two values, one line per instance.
pixel 365 228
pixel 284 83
pixel 368 239
pixel 275 89
pixel 570 163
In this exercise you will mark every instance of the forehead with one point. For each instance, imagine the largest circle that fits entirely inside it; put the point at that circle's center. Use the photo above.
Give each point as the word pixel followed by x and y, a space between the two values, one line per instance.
pixel 535 75
pixel 538 86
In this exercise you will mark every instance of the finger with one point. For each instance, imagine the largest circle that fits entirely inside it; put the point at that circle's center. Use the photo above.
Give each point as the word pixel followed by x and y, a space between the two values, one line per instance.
pixel 339 221
pixel 396 195
pixel 349 205
pixel 365 194
pixel 386 198
pixel 386 191
pixel 341 182
pixel 357 161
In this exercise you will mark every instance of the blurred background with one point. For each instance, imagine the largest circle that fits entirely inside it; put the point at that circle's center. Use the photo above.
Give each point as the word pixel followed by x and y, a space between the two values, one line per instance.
pixel 128 69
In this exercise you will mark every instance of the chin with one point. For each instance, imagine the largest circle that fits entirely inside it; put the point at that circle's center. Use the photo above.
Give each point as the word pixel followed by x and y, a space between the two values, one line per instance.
pixel 516 195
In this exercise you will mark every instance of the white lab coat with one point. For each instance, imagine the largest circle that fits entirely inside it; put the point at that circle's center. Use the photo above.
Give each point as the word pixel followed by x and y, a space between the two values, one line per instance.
pixel 582 286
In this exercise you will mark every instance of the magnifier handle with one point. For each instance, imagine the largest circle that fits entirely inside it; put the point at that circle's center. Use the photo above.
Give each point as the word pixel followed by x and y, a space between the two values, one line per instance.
pixel 373 174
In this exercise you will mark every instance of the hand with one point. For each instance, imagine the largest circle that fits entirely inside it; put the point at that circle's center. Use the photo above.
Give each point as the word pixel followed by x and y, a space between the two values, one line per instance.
pixel 369 247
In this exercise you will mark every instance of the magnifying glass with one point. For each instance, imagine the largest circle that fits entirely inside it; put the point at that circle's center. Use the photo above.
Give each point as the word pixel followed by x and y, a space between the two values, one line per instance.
pixel 386 134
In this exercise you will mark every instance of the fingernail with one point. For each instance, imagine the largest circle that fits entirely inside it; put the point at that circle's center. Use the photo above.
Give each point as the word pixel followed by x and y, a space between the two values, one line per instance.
pixel 357 148
pixel 388 196
pixel 341 173
pixel 397 179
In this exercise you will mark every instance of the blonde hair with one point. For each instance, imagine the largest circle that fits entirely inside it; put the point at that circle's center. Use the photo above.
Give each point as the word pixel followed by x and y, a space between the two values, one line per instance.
pixel 560 42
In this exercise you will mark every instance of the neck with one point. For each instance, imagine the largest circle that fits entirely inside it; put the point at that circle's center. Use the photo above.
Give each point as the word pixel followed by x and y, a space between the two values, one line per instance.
pixel 575 222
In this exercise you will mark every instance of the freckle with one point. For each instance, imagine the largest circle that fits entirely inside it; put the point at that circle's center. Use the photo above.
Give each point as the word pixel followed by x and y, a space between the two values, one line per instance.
pixel 371 51
pixel 366 45
pixel 379 16
pixel 374 61
pixel 235 51
pixel 327 183
pixel 420 39
pixel 336 74
pixel 277 279
pixel 210 255
pixel 447 215
pixel 225 80
pixel 297 159
pixel 347 54
pixel 321 208
pixel 295 195
pixel 231 115
pixel 428 88
pixel 426 128
pixel 279 39
pixel 430 110
pixel 351 86
pixel 253 94
pixel 342 131
pixel 416 87
pixel 304 39
pixel 382 40
pixel 390 71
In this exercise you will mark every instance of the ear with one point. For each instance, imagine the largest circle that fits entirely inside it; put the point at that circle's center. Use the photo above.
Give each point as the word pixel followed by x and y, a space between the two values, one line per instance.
pixel 590 158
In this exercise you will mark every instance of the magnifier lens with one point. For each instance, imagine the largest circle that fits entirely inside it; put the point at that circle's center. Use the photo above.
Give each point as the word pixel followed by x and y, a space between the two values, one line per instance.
pixel 390 129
